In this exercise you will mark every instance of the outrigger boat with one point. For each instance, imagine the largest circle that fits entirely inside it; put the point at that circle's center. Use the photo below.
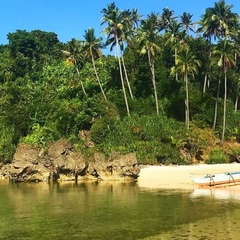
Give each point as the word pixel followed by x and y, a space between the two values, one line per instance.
pixel 211 180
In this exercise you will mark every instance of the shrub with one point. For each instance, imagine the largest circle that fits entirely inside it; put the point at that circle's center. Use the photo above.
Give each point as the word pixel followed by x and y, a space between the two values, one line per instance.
pixel 217 155
pixel 40 136
pixel 7 147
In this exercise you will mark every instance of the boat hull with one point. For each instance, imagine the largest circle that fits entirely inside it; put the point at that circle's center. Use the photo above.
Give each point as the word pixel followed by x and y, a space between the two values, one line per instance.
pixel 217 179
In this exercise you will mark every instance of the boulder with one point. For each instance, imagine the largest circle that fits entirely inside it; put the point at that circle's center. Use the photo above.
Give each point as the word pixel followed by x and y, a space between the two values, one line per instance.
pixel 29 173
pixel 60 162
pixel 118 167
pixel 68 167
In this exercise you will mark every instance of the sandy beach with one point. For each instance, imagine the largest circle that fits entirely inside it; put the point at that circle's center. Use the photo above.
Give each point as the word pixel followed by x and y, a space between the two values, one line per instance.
pixel 178 177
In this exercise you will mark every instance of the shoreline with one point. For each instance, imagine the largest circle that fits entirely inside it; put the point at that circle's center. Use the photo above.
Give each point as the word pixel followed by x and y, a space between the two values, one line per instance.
pixel 178 177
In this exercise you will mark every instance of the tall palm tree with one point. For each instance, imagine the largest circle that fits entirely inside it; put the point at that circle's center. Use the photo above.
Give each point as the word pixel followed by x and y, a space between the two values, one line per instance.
pixel 149 42
pixel 236 79
pixel 166 18
pixel 225 53
pixel 186 22
pixel 176 38
pixel 114 30
pixel 92 46
pixel 187 64
pixel 217 22
pixel 75 48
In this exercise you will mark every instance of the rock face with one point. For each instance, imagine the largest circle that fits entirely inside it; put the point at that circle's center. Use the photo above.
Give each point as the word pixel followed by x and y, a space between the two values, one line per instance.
pixel 60 162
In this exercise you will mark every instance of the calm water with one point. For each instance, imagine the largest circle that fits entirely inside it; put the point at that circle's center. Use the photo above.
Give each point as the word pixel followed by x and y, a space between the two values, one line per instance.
pixel 115 211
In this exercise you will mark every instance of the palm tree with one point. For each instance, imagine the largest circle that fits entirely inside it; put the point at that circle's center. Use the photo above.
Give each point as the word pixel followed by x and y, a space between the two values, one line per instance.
pixel 75 48
pixel 176 37
pixel 114 30
pixel 149 44
pixel 187 63
pixel 236 79
pixel 166 18
pixel 217 22
pixel 225 53
pixel 92 46
pixel 186 22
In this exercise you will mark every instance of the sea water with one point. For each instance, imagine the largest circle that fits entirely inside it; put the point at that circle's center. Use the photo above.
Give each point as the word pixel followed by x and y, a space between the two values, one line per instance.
pixel 115 210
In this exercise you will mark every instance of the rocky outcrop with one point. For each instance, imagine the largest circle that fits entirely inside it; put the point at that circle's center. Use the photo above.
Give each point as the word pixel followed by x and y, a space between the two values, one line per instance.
pixel 117 167
pixel 60 162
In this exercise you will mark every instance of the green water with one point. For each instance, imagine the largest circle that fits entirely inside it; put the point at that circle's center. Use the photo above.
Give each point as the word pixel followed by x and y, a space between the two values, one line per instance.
pixel 113 211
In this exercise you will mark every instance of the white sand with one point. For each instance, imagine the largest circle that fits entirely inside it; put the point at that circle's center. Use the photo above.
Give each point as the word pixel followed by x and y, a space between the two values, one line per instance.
pixel 178 177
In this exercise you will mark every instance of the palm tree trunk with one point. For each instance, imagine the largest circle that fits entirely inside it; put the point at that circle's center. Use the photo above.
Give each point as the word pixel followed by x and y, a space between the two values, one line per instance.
pixel 121 76
pixel 80 81
pixel 216 105
pixel 98 80
pixel 224 107
pixel 176 75
pixel 207 74
pixel 236 102
pixel 186 101
pixel 151 64
pixel 126 76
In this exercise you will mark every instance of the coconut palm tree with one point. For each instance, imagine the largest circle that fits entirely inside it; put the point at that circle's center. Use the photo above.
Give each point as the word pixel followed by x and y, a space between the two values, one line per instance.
pixel 217 22
pixel 236 79
pixel 75 52
pixel 114 31
pixel 186 22
pixel 166 18
pixel 176 38
pixel 92 46
pixel 149 42
pixel 187 64
pixel 225 53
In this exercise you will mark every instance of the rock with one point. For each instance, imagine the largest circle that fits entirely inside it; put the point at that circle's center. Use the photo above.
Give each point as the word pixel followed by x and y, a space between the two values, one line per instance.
pixel 69 167
pixel 118 167
pixel 29 173
pixel 60 162
pixel 59 148
pixel 25 153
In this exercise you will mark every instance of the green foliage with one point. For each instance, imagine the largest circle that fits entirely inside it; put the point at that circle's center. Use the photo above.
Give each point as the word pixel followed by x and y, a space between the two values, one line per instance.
pixel 150 136
pixel 7 147
pixel 217 155
pixel 47 93
pixel 39 136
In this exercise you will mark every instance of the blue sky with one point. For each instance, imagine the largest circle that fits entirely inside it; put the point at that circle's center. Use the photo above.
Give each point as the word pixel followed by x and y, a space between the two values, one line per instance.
pixel 70 18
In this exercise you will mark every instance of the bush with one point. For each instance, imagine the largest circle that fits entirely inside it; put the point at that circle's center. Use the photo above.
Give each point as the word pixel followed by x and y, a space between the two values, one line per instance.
pixel 217 155
pixel 40 136
pixel 7 147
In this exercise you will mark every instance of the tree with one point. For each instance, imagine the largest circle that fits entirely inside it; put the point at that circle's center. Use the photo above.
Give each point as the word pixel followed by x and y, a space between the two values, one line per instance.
pixel 114 30
pixel 176 37
pixel 92 46
pixel 75 48
pixel 149 44
pixel 165 19
pixel 218 22
pixel 187 63
pixel 186 22
pixel 225 52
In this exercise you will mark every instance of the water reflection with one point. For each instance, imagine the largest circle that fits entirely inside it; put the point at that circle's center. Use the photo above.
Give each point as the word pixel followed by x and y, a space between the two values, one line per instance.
pixel 218 193
pixel 110 210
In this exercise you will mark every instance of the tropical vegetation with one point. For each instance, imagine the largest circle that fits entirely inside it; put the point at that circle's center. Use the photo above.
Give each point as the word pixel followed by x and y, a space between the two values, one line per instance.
pixel 168 88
